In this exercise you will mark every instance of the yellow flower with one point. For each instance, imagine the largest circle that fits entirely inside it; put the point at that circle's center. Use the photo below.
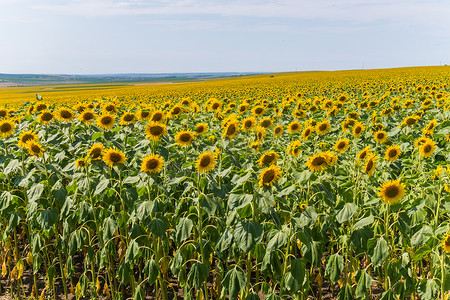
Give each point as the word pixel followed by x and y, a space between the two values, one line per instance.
pixel 176 110
pixel 127 118
pixel 106 121
pixel 6 128
pixel 206 162
pixel 201 128
pixel 410 121
pixel 294 148
pixel 427 148
pixel 258 110
pixel 26 137
pixel 248 123
pixel 34 148
pixel 364 153
pixel 230 129
pixel 370 165
pixel 342 145
pixel 155 130
pixel 319 162
pixel 96 151
pixel 358 129
pixel 269 175
pixel 278 131
pixel 113 157
pixel 157 116
pixel 392 153
pixel 87 116
pixel 380 136
pixel 110 107
pixel 391 191
pixel 81 163
pixel 446 244
pixel 268 158
pixel 266 122
pixel 143 115
pixel 45 117
pixel 64 114
pixel 152 163
pixel 323 127
pixel 307 132
pixel 294 127
pixel 184 138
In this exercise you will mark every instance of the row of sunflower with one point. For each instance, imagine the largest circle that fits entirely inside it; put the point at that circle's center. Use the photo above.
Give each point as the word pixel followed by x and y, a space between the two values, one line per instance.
pixel 325 184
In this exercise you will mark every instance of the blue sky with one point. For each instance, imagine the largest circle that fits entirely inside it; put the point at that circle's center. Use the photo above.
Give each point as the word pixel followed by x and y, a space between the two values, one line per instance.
pixel 135 36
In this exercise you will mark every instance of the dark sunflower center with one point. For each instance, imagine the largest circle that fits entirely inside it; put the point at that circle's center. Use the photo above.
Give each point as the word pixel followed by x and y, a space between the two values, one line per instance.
pixel 205 161
pixel 95 153
pixel 106 120
pixel 215 106
pixel 294 126
pixel 307 132
pixel 185 137
pixel 266 123
pixel 157 117
pixel 363 155
pixel 66 114
pixel 242 108
pixel 27 137
pixel 47 116
pixel 358 130
pixel 156 130
pixel 176 110
pixel 278 130
pixel 128 117
pixel 369 165
pixel 268 158
pixel 200 129
pixel 322 127
pixel 115 157
pixel 41 107
pixel 152 164
pixel 6 127
pixel 318 161
pixel 88 116
pixel 3 113
pixel 410 121
pixel 36 149
pixel 380 136
pixel 110 108
pixel 392 191
pixel 258 110
pixel 427 148
pixel 392 153
pixel 231 129
pixel 145 114
pixel 248 124
pixel 447 241
pixel 342 145
pixel 268 176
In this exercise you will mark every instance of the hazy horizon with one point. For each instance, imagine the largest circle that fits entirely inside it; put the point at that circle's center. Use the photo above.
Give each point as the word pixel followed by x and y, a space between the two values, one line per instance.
pixel 84 37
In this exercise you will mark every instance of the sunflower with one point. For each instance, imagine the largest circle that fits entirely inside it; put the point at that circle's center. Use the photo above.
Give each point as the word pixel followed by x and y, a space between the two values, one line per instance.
pixel 106 121
pixel 248 123
pixel 266 122
pixel 278 131
pixel 358 129
pixel 427 148
pixel 64 114
pixel 380 136
pixel 391 191
pixel 176 110
pixel 3 112
pixel 34 148
pixel 143 115
pixel 157 116
pixel 323 127
pixel 268 158
pixel 342 145
pixel 294 127
pixel 364 153
pixel 243 108
pixel 113 157
pixel 96 151
pixel 429 129
pixel 81 163
pixel 255 145
pixel 41 106
pixel 370 165
pixel 127 118
pixel 307 132
pixel 410 121
pixel 87 116
pixel 184 138
pixel 260 133
pixel 206 162
pixel 6 128
pixel 269 175
pixel 45 117
pixel 230 129
pixel 258 110
pixel 155 130
pixel 215 105
pixel 26 137
pixel 110 107
pixel 318 162
pixel 421 140
pixel 446 244
pixel 201 128
pixel 152 163
pixel 294 148
pixel 392 153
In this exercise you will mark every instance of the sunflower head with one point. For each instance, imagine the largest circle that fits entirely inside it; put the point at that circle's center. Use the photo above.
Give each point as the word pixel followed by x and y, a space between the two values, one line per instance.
pixel 269 175
pixel 278 131
pixel 370 165
pixel 364 153
pixel 323 127
pixel 258 110
pixel 248 123
pixel 87 116
pixel 81 163
pixel 446 244
pixel 230 129
pixel 201 128
pixel 155 130
pixel 152 163
pixel 6 128
pixel 128 118
pixel 391 191
pixel 143 115
pixel 321 161
pixel 392 153
pixel 184 138
pixel 380 136
pixel 45 117
pixel 176 111
pixel 157 116
pixel 96 151
pixel 26 137
pixel 358 129
pixel 342 145
pixel 106 121
pixel 427 148
pixel 294 148
pixel 206 162
pixel 268 158
pixel 34 148
pixel 110 108
pixel 113 157
pixel 64 114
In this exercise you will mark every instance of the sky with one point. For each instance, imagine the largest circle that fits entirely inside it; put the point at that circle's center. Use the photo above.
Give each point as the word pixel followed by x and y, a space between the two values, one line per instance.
pixel 167 36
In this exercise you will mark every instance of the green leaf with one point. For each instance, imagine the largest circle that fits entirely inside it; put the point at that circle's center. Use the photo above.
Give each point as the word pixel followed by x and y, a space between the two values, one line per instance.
pixel 364 282
pixel 144 210
pixel 13 166
pixel 277 241
pixel 139 293
pixel 124 271
pixel 198 274
pixel 380 252
pixel 159 227
pixel 151 270
pixel 234 281
pixel 183 229
pixel 298 268
pixel 364 222
pixel 224 241
pixel 421 252
pixel 209 204
pixel 247 235
pixel 47 218
pixel 35 192
pixel 421 236
pixel 346 293
pixel 346 213
pixel 101 186
pixel 131 179
pixel 133 252
pixel 334 267
pixel 388 295
pixel 236 201
pixel 428 289
pixel 109 228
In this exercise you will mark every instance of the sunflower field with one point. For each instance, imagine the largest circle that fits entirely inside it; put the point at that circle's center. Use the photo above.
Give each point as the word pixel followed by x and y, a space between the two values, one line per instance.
pixel 321 185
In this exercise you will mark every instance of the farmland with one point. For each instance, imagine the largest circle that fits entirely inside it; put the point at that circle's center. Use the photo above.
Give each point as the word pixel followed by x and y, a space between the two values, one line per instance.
pixel 284 186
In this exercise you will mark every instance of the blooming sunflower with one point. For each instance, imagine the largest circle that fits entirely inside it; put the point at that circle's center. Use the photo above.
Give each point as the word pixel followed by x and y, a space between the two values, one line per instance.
pixel 446 244
pixel 323 127
pixel 41 106
pixel 269 175
pixel 358 129
pixel 427 148
pixel 278 131
pixel 87 116
pixel 364 153
pixel 106 121
pixel 96 151
pixel 6 128
pixel 266 122
pixel 307 132
pixel 45 117
pixel 318 162
pixel 152 163
pixel 143 115
pixel 294 127
pixel 206 162
pixel 176 110
pixel 113 157
pixel 258 110
pixel 127 118
pixel 184 138
pixel 155 130
pixel 34 148
pixel 26 137
pixel 81 163
pixel 342 145
pixel 3 112
pixel 421 140
pixel 230 129
pixel 248 123
pixel 110 107
pixel 157 116
pixel 410 121
pixel 392 153
pixel 64 115
pixel 391 191
pixel 380 136
pixel 370 165
pixel 268 158
pixel 294 148
pixel 201 128
pixel 428 130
